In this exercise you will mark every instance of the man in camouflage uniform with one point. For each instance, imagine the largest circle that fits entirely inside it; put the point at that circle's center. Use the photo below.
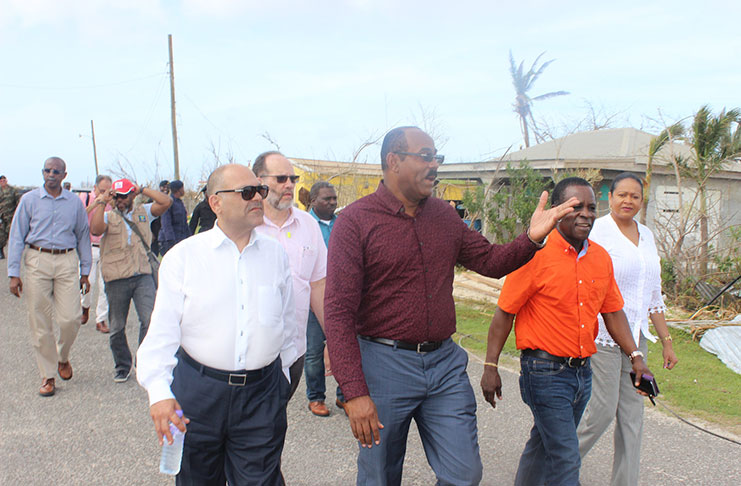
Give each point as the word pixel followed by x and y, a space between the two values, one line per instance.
pixel 8 202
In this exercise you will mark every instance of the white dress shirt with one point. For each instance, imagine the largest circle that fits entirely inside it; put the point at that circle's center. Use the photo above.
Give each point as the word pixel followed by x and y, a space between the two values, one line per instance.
pixel 302 239
pixel 228 310
pixel 637 273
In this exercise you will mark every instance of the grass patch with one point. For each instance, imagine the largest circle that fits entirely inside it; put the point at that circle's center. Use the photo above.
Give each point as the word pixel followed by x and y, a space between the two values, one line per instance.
pixel 700 385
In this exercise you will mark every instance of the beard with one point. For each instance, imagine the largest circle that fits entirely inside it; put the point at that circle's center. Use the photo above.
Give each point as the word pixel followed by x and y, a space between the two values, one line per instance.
pixel 274 199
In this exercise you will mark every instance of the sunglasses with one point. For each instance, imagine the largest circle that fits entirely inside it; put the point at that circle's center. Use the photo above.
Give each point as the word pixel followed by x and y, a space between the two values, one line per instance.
pixel 53 171
pixel 120 196
pixel 248 192
pixel 427 157
pixel 283 178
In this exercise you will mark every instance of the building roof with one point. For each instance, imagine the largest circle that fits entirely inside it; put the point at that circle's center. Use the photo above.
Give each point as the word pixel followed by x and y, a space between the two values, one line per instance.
pixel 617 149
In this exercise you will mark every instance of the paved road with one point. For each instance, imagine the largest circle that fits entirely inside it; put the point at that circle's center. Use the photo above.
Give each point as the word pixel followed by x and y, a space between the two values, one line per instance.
pixel 97 432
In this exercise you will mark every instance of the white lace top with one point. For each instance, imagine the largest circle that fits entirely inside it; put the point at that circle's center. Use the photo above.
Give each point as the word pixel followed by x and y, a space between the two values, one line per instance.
pixel 637 273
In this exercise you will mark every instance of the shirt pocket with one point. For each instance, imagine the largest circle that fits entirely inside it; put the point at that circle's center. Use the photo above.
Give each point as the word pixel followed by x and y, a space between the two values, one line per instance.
pixel 270 307
pixel 306 267
pixel 598 290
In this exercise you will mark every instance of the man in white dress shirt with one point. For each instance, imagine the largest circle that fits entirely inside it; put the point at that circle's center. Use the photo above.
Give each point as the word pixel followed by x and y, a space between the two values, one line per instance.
pixel 222 319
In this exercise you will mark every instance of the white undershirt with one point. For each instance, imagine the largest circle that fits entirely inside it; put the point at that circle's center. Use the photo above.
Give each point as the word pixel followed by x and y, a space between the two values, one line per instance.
pixel 228 310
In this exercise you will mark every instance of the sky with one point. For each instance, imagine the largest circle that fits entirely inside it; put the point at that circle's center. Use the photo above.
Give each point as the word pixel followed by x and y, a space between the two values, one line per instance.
pixel 320 78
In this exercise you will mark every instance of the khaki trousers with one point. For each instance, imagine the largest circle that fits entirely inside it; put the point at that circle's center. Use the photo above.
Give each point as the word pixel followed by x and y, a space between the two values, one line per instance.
pixel 51 288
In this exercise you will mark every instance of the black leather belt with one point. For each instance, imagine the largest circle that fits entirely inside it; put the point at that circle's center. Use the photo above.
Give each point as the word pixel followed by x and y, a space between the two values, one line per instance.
pixel 424 347
pixel 235 378
pixel 52 251
pixel 97 245
pixel 570 362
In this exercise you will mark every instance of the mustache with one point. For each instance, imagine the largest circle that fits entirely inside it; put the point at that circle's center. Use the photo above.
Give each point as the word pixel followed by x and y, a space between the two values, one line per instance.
pixel 432 173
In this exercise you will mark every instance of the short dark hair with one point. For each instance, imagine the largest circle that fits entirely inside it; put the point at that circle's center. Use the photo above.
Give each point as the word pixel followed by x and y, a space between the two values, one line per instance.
pixel 622 176
pixel 176 185
pixel 557 196
pixel 258 166
pixel 318 186
pixel 164 183
pixel 394 141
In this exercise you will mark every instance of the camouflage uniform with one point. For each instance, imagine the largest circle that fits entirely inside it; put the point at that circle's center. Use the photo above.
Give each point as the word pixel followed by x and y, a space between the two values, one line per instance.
pixel 8 202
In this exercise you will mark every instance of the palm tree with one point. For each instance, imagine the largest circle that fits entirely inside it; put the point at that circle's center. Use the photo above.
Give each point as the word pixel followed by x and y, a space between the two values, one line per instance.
pixel 715 141
pixel 523 82
pixel 657 143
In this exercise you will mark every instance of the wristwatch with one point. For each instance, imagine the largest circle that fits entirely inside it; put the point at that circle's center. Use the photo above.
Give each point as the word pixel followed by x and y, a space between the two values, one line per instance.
pixel 634 354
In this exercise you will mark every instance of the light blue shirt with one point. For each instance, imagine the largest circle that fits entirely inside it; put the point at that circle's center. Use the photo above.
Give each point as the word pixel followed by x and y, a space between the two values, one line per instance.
pixel 56 223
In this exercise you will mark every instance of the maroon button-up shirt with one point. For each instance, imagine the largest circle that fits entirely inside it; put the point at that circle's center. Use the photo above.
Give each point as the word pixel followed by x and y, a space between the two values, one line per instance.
pixel 390 275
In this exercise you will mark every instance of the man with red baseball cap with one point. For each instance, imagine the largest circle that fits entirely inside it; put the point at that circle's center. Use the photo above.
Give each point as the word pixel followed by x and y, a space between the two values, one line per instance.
pixel 125 241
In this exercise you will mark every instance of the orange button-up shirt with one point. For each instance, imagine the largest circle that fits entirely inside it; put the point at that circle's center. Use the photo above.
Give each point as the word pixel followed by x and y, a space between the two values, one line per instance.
pixel 557 295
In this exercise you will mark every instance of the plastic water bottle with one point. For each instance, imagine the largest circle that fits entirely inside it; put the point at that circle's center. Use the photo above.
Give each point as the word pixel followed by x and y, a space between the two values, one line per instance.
pixel 172 455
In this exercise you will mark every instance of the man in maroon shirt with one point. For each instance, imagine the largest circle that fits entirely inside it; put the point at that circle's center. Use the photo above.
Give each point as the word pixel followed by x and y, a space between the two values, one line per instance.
pixel 390 313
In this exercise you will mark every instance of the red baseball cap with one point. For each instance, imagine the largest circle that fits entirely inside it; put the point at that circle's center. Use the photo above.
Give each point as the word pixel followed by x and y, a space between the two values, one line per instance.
pixel 123 186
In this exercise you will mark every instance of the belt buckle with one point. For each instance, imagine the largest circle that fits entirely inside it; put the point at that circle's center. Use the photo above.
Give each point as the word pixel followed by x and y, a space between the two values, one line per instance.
pixel 570 362
pixel 419 347
pixel 242 377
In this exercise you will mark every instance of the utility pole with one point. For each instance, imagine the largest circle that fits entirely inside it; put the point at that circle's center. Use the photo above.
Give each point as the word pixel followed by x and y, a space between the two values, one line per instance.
pixel 172 109
pixel 95 152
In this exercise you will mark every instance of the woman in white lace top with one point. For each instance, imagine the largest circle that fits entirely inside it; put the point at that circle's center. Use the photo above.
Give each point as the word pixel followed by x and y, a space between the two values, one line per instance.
pixel 638 275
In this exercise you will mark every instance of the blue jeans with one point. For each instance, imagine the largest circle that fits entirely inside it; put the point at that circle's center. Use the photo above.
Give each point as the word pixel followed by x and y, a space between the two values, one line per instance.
pixel 557 396
pixel 314 363
pixel 434 390
pixel 120 293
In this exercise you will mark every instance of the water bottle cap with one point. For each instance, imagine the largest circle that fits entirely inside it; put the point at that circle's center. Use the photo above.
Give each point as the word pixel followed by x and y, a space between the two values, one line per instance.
pixel 179 413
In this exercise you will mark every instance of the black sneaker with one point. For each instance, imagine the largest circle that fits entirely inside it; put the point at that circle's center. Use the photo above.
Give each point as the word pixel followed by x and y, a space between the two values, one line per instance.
pixel 121 376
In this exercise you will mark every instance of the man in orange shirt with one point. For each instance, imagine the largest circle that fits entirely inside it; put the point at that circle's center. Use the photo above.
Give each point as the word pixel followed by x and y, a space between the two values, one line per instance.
pixel 556 297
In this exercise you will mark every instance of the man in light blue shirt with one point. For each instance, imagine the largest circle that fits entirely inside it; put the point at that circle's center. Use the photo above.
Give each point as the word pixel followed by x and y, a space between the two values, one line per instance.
pixel 52 222
pixel 323 199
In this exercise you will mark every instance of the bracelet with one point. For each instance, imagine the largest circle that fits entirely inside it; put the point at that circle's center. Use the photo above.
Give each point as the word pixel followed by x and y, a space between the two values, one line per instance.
pixel 667 338
pixel 488 363
pixel 635 354
pixel 537 245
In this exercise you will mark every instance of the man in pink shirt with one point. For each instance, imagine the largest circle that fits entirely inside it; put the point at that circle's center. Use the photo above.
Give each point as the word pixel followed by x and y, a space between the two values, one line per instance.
pixel 102 186
pixel 300 235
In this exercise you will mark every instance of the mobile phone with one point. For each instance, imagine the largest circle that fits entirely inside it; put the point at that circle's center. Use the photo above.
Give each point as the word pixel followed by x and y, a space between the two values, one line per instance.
pixel 648 385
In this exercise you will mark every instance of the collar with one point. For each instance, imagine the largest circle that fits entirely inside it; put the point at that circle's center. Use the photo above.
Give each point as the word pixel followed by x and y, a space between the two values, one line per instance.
pixel 322 221
pixel 391 202
pixel 44 193
pixel 555 239
pixel 291 218
pixel 216 237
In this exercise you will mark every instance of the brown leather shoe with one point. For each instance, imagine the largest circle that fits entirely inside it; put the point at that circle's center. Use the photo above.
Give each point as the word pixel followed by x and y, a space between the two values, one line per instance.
pixel 340 404
pixel 47 388
pixel 65 370
pixel 319 409
pixel 102 327
pixel 85 315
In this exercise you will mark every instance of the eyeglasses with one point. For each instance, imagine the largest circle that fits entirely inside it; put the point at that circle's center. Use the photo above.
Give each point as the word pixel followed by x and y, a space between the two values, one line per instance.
pixel 248 192
pixel 53 171
pixel 120 196
pixel 427 157
pixel 283 178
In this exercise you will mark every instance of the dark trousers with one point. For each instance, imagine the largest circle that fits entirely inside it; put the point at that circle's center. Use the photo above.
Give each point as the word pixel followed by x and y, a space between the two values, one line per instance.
pixel 294 371
pixel 314 365
pixel 236 433
pixel 120 293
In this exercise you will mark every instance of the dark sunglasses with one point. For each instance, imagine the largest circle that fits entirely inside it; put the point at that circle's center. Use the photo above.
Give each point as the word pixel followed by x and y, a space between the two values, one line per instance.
pixel 427 157
pixel 53 171
pixel 283 178
pixel 248 192
pixel 120 196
